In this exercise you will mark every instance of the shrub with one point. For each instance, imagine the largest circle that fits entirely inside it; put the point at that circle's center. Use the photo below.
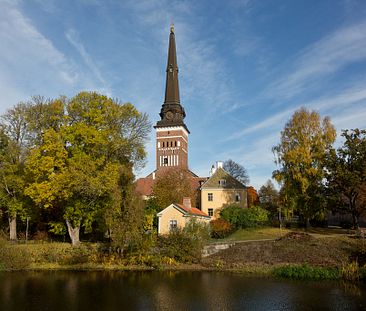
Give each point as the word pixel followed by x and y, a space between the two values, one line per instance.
pixel 220 228
pixel 244 217
pixel 306 272
pixel 13 257
pixel 180 246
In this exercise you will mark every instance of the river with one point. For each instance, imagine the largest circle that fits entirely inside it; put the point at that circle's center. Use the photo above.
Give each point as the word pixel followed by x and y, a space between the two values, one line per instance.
pixel 67 290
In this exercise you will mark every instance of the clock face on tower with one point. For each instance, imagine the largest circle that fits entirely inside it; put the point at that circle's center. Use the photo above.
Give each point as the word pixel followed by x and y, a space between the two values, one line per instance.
pixel 169 115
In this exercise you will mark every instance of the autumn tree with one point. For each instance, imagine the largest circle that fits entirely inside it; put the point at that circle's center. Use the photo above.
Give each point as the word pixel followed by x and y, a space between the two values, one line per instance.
pixel 300 155
pixel 237 170
pixel 346 174
pixel 76 164
pixel 171 187
pixel 252 197
pixel 13 150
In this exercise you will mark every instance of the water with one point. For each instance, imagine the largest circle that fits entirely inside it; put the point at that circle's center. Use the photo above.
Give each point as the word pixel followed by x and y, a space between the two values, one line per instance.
pixel 171 291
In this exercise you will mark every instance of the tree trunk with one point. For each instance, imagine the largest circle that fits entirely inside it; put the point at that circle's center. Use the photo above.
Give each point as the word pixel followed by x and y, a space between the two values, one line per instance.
pixel 26 231
pixel 307 224
pixel 355 221
pixel 73 233
pixel 13 227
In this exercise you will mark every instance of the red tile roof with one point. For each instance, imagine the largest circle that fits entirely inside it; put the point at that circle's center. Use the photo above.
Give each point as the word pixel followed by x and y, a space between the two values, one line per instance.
pixel 192 210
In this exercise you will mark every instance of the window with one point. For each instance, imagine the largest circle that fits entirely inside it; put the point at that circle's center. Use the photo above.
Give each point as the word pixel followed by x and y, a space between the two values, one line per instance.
pixel 173 224
pixel 222 182
pixel 237 197
pixel 163 144
pixel 165 161
pixel 175 144
pixel 210 212
pixel 210 196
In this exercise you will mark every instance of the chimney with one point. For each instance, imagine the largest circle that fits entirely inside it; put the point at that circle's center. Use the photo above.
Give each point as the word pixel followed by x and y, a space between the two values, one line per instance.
pixel 219 164
pixel 212 170
pixel 187 202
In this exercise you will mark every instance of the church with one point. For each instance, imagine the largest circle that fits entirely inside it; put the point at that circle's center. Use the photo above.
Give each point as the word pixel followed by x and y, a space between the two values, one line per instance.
pixel 172 153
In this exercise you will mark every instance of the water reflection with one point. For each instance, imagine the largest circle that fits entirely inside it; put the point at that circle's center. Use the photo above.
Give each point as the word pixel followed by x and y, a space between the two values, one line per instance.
pixel 171 291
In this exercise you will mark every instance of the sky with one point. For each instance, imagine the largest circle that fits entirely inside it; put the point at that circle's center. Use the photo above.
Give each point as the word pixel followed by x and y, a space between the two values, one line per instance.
pixel 245 66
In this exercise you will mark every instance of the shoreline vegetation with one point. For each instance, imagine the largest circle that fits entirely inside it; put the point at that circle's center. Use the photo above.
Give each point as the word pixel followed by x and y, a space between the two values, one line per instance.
pixel 321 254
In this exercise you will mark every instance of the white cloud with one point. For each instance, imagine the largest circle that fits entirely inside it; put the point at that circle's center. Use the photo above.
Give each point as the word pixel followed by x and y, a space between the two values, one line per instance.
pixel 28 60
pixel 323 58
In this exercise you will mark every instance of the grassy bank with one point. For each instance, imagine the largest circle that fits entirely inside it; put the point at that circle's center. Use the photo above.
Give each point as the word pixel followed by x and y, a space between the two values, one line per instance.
pixel 294 255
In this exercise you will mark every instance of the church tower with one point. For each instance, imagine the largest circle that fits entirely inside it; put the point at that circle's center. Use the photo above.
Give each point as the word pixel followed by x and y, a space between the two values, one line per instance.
pixel 171 131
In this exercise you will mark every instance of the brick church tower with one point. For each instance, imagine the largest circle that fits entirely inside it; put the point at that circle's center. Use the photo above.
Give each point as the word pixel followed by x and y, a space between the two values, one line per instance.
pixel 171 131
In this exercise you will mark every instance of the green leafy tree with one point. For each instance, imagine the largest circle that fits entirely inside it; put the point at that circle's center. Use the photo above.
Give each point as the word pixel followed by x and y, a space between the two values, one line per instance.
pixel 269 197
pixel 346 174
pixel 300 155
pixel 237 170
pixel 13 150
pixel 78 161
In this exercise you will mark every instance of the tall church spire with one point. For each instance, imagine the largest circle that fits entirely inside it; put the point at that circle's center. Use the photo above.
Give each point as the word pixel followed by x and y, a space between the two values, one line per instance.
pixel 172 85
pixel 172 113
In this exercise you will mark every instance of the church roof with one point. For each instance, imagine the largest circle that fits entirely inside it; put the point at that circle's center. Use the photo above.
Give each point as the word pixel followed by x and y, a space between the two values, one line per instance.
pixel 172 113
pixel 220 174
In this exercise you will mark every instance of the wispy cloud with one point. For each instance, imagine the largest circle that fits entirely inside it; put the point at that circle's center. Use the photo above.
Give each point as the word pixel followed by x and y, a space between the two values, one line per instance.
pixel 29 60
pixel 73 37
pixel 323 58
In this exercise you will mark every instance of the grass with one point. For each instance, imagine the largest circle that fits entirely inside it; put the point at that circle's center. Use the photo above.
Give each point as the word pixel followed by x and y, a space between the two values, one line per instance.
pixel 263 233
pixel 306 272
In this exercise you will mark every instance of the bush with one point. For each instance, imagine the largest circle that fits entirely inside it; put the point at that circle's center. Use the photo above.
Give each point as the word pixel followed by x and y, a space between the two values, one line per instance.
pixel 13 257
pixel 181 246
pixel 220 228
pixel 306 272
pixel 244 217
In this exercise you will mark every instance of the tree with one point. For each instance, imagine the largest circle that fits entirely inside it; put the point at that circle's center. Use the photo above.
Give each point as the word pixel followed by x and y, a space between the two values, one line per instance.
pixel 171 187
pixel 346 174
pixel 252 197
pixel 237 171
pixel 300 155
pixel 13 149
pixel 269 197
pixel 76 165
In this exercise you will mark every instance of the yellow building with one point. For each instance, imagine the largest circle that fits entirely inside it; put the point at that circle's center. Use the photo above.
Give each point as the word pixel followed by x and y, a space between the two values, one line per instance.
pixel 220 189
pixel 178 215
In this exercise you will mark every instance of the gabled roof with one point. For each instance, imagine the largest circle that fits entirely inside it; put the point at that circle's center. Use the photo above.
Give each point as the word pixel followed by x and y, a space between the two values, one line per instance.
pixel 192 210
pixel 185 210
pixel 220 174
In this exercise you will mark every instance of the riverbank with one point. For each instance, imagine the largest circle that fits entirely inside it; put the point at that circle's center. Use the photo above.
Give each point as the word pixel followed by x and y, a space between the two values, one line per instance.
pixel 294 255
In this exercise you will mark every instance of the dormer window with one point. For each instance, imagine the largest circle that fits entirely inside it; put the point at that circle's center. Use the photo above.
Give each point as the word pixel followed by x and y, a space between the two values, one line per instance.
pixel 222 182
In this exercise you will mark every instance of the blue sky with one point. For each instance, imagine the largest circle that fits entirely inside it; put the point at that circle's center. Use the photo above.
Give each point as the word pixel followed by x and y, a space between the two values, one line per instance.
pixel 245 65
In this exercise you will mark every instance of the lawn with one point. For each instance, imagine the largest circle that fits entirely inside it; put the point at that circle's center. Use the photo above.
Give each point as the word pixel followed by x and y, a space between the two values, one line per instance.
pixel 256 234
pixel 265 233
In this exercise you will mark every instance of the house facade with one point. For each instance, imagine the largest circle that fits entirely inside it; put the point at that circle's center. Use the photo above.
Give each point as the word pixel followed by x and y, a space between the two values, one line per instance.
pixel 177 216
pixel 220 189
